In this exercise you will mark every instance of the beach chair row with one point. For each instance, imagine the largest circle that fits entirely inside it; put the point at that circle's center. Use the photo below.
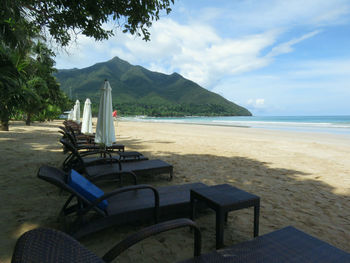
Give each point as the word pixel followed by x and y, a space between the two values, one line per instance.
pixel 86 164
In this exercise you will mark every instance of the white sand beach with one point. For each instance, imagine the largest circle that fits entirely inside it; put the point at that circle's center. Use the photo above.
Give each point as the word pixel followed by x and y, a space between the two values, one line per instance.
pixel 303 180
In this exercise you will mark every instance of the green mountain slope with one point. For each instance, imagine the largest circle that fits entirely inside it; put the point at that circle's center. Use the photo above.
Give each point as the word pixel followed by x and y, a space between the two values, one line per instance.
pixel 138 91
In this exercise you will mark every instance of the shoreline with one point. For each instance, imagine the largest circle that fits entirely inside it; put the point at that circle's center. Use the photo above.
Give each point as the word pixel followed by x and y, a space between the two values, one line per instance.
pixel 292 126
pixel 324 136
pixel 189 123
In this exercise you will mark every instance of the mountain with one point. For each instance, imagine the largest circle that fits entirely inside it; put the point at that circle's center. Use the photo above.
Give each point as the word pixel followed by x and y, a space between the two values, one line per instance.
pixel 138 91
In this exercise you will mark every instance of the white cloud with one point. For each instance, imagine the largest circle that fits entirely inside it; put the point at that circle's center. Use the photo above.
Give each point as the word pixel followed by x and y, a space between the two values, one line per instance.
pixel 287 47
pixel 259 103
pixel 198 35
pixel 256 105
pixel 198 53
pixel 220 48
pixel 193 50
pixel 312 87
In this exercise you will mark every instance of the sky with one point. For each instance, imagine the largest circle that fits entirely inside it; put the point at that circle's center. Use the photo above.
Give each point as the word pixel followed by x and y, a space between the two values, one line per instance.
pixel 274 57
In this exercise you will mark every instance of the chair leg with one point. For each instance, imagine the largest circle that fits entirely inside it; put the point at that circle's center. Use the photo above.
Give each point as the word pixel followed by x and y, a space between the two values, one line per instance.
pixel 256 220
pixel 193 209
pixel 220 217
pixel 171 175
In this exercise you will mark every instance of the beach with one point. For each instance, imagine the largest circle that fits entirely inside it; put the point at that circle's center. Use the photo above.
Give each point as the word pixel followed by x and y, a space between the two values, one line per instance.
pixel 303 180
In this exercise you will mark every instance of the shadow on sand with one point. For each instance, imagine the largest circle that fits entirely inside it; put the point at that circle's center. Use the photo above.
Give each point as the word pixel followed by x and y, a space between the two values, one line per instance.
pixel 288 197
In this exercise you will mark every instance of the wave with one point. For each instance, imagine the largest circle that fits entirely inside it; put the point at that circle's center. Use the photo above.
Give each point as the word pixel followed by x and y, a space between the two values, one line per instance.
pixel 299 124
pixel 330 124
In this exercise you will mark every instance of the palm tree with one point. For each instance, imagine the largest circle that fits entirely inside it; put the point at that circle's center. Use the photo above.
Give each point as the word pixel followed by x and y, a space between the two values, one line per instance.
pixel 10 87
pixel 16 36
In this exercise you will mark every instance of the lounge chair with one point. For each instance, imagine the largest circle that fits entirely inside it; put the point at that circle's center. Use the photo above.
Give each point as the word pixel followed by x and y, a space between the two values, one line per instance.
pixel 51 246
pixel 83 143
pixel 89 138
pixel 110 168
pixel 88 143
pixel 76 130
pixel 124 205
pixel 285 245
pixel 123 156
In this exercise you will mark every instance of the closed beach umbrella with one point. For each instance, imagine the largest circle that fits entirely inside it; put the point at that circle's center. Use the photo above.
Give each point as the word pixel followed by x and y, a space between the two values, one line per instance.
pixel 70 115
pixel 86 126
pixel 105 126
pixel 76 113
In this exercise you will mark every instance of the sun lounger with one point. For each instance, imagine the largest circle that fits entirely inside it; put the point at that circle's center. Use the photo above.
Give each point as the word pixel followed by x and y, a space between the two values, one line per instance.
pixel 98 154
pixel 88 143
pixel 124 205
pixel 285 245
pixel 110 169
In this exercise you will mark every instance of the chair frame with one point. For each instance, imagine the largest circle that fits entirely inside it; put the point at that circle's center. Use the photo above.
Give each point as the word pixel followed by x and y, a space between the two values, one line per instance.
pixel 75 161
pixel 142 203
pixel 50 245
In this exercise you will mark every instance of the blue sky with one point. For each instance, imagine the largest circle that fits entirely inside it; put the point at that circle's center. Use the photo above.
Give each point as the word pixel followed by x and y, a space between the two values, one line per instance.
pixel 272 57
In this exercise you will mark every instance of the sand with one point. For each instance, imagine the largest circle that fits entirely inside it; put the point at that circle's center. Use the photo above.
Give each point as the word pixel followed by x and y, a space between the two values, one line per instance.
pixel 303 180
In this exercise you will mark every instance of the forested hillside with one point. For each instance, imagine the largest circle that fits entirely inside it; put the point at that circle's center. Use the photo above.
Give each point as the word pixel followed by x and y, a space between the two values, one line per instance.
pixel 138 91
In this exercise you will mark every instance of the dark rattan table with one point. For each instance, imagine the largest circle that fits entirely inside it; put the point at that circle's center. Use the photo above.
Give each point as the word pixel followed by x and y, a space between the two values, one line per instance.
pixel 223 199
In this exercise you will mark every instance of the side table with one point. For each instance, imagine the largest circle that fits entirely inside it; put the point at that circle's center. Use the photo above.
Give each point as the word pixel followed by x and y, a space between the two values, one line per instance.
pixel 223 199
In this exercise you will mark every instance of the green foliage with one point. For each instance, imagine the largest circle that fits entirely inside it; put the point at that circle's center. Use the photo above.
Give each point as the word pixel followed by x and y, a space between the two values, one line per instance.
pixel 177 110
pixel 41 90
pixel 10 87
pixel 26 82
pixel 27 86
pixel 16 32
pixel 62 18
pixel 138 91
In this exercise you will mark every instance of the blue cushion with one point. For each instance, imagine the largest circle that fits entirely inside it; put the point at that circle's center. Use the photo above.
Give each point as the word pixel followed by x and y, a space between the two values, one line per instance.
pixel 87 189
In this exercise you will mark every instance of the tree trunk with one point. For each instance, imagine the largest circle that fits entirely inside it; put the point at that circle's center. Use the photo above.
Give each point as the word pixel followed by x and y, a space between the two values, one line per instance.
pixel 4 124
pixel 28 120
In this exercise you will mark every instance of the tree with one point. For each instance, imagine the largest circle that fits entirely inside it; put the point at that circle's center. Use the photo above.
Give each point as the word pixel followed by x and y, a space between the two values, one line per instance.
pixel 62 18
pixel 40 86
pixel 34 101
pixel 10 88
pixel 22 20
pixel 27 85
pixel 16 34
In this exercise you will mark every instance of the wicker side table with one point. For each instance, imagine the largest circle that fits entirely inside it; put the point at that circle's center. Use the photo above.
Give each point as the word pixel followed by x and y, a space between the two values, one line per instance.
pixel 223 199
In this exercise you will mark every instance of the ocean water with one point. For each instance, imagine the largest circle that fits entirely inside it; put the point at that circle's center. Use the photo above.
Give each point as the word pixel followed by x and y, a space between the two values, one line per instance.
pixel 323 124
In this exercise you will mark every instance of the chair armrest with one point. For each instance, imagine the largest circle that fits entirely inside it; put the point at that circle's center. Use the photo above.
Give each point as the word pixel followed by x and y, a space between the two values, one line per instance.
pixel 83 136
pixel 123 190
pixel 151 231
pixel 129 154
pixel 108 159
pixel 86 146
pixel 83 154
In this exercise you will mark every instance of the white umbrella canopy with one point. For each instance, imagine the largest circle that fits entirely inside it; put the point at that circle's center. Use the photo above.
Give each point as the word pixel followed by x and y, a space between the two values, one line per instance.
pixel 86 126
pixel 76 113
pixel 105 126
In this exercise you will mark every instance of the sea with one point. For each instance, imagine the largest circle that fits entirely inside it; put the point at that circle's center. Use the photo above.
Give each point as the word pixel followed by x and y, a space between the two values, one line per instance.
pixel 312 124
